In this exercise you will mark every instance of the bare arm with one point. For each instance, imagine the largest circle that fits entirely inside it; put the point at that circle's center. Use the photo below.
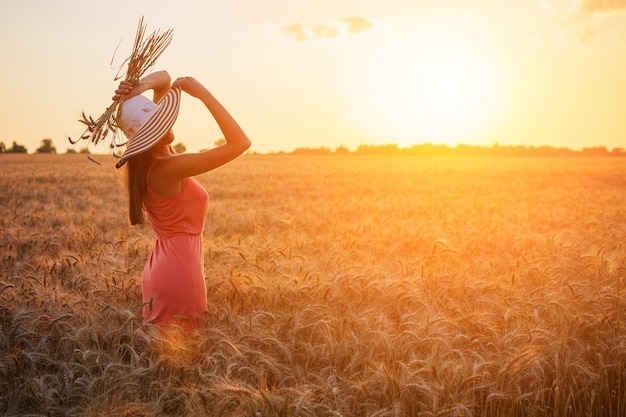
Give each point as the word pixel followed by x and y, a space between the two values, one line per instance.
pixel 158 81
pixel 188 165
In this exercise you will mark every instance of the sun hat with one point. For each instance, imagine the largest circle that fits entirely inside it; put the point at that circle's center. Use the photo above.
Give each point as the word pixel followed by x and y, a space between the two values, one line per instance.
pixel 146 51
pixel 145 122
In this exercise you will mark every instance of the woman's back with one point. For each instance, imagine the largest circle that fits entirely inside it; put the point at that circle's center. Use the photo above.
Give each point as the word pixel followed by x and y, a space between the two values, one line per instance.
pixel 180 215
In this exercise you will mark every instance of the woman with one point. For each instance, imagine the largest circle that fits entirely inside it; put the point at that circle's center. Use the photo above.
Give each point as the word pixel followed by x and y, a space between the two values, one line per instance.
pixel 161 183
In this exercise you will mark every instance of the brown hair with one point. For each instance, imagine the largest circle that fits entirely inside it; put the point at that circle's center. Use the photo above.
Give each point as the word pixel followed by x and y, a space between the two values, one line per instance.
pixel 137 185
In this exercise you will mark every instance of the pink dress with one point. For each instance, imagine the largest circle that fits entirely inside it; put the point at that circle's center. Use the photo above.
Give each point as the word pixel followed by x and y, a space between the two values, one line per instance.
pixel 173 284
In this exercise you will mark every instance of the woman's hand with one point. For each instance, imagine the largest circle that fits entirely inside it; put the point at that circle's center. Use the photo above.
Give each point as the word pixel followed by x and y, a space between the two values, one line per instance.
pixel 128 90
pixel 158 81
pixel 190 86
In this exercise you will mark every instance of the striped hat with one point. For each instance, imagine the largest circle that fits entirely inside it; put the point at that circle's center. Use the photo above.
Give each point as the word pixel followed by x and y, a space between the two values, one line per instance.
pixel 145 123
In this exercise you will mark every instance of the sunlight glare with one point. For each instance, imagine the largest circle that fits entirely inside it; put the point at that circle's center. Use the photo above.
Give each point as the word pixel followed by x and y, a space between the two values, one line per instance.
pixel 440 88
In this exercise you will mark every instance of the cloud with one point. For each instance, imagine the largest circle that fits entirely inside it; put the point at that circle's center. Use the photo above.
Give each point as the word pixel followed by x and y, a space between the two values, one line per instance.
pixel 324 31
pixel 563 34
pixel 602 6
pixel 296 31
pixel 586 33
pixel 585 21
pixel 336 28
pixel 357 24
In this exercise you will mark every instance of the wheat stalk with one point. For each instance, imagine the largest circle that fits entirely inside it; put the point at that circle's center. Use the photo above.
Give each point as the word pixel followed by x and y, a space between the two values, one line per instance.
pixel 144 55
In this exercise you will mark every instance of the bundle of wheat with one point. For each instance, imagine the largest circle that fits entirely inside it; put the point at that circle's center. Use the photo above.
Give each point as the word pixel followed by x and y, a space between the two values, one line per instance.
pixel 143 57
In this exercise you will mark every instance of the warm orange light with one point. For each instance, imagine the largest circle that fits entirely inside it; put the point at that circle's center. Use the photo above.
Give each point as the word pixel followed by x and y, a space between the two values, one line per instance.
pixel 443 87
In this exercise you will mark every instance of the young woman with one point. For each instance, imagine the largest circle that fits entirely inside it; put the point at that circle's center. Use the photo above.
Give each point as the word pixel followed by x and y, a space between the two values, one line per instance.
pixel 161 184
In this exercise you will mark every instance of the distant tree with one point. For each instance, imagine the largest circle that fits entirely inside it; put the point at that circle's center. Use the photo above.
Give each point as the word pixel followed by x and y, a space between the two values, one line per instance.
pixel 180 147
pixel 3 148
pixel 595 151
pixel 429 149
pixel 17 148
pixel 82 150
pixel 219 142
pixel 46 147
pixel 341 150
pixel 322 150
pixel 391 149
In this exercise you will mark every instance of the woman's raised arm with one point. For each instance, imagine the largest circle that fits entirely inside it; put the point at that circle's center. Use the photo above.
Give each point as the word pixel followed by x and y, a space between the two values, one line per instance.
pixel 158 81
pixel 188 165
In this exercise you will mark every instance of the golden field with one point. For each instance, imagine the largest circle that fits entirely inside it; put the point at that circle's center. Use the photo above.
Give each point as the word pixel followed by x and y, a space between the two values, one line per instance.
pixel 337 285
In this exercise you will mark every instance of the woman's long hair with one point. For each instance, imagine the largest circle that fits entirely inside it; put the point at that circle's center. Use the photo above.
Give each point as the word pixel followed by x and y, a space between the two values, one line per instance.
pixel 137 185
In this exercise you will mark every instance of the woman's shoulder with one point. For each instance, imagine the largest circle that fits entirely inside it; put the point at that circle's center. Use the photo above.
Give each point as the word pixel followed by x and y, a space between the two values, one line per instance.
pixel 161 181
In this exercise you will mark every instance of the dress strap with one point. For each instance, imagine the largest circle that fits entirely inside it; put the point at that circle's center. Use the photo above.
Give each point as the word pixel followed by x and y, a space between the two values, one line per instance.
pixel 150 168
pixel 148 176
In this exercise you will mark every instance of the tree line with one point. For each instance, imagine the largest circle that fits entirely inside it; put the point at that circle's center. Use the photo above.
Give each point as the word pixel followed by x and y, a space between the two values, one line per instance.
pixel 46 147
pixel 427 149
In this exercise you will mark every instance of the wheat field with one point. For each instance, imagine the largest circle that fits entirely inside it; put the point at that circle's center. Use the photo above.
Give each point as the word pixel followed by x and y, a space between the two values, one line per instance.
pixel 337 286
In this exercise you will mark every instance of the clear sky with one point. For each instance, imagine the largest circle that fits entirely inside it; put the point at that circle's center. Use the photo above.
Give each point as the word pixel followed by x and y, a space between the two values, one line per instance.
pixel 313 73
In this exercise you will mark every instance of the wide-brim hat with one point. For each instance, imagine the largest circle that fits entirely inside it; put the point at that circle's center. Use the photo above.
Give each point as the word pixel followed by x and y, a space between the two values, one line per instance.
pixel 145 123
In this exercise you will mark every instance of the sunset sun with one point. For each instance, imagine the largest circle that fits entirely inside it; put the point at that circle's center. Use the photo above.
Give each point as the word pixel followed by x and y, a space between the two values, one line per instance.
pixel 437 90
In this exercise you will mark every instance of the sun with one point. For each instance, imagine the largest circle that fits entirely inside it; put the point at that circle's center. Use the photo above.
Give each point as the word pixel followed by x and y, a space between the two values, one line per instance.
pixel 441 89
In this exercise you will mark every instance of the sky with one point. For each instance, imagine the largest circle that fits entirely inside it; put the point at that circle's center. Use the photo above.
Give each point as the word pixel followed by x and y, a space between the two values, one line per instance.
pixel 307 74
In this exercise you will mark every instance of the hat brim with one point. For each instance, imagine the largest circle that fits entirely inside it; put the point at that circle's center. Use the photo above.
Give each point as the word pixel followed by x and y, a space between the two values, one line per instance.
pixel 155 128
